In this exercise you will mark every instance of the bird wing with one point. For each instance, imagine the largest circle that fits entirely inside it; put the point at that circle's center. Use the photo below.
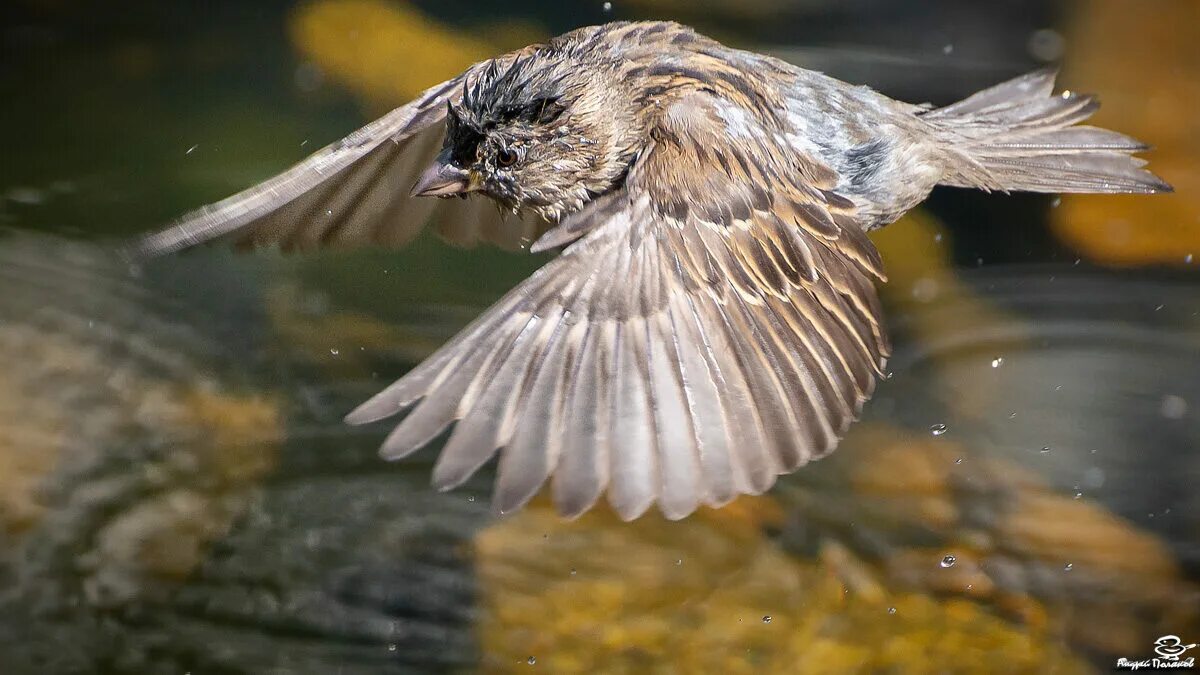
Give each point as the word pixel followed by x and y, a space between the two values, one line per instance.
pixel 355 192
pixel 713 325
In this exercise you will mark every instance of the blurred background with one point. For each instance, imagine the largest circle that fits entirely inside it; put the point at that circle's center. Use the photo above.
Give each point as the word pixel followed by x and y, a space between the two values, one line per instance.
pixel 177 493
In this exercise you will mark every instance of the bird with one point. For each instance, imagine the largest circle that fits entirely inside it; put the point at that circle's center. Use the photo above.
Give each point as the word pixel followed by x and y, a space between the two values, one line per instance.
pixel 1170 647
pixel 710 321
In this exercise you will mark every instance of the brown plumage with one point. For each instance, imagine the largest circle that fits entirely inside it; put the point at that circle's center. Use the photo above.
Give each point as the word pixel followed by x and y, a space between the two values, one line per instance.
pixel 712 320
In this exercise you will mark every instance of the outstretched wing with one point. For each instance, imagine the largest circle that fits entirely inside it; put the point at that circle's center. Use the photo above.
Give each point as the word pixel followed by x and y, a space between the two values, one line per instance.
pixel 714 325
pixel 354 192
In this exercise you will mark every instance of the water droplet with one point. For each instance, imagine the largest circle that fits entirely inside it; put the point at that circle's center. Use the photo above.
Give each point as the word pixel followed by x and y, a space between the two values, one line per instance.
pixel 191 149
pixel 1045 449
pixel 531 660
pixel 1067 93
pixel 334 351
pixel 767 619
pixel 607 7
pixel 1078 494
pixel 891 610
pixel 938 429
pixel 1188 258
pixel 573 571
pixel 1012 415
pixel 471 498
pixel 958 461
pixel 998 361
pixel 1046 45
pixel 1056 202
pixel 937 237
pixel 392 647
pixel 948 560
pixel 308 77
pixel 1067 567
pixel 948 49
pixel 1173 407
pixel 925 289
pixel 679 562
pixel 26 195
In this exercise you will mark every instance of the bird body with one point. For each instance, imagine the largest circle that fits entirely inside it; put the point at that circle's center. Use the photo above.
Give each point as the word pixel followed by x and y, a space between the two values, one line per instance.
pixel 711 321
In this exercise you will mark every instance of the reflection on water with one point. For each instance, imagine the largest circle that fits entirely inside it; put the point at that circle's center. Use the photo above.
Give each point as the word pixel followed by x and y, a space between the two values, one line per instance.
pixel 177 492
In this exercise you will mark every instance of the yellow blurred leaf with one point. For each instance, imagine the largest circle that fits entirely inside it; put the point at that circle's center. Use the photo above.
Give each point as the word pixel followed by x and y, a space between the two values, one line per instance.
pixel 1145 64
pixel 388 52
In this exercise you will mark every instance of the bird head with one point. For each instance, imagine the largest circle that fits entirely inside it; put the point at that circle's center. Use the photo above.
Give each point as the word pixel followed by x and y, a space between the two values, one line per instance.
pixel 539 132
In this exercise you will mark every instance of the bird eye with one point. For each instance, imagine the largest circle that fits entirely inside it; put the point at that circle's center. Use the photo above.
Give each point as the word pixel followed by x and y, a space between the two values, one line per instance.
pixel 506 156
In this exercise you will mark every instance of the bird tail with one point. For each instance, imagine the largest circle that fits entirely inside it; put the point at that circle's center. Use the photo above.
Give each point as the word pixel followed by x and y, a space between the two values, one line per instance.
pixel 1018 135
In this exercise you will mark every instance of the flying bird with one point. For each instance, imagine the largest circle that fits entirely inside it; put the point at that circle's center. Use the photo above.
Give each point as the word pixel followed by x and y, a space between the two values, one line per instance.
pixel 711 321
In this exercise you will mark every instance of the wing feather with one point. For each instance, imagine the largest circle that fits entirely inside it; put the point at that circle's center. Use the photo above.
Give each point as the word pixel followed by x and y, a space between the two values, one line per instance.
pixel 633 461
pixel 720 469
pixel 482 405
pixel 440 401
pixel 747 436
pixel 352 193
pixel 583 470
pixel 537 426
pixel 679 472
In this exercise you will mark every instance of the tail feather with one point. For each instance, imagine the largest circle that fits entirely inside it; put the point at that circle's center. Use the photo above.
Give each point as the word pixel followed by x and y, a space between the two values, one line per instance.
pixel 1078 138
pixel 1056 111
pixel 1031 86
pixel 1018 136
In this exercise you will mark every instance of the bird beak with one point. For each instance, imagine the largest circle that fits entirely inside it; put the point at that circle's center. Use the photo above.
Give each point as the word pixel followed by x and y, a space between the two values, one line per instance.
pixel 442 179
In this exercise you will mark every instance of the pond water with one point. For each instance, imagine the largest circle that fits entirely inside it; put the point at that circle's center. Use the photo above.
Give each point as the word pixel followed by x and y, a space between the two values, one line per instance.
pixel 178 493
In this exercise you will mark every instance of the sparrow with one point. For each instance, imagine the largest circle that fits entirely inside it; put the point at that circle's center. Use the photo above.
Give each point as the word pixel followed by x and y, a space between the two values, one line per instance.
pixel 711 320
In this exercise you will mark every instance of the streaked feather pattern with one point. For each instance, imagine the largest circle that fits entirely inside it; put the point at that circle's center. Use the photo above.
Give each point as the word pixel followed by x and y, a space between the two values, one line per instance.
pixel 716 340
pixel 712 321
